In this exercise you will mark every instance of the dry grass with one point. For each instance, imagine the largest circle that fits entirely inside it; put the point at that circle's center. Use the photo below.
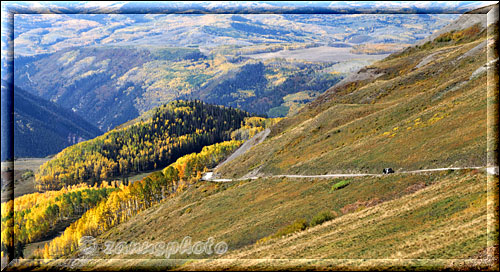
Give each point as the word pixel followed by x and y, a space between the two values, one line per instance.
pixel 441 226
pixel 427 220
pixel 23 186
pixel 409 118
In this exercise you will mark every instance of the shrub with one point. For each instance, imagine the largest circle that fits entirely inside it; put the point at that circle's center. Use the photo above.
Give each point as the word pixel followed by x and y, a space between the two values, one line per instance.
pixel 185 211
pixel 321 217
pixel 263 240
pixel 298 225
pixel 28 174
pixel 446 37
pixel 341 184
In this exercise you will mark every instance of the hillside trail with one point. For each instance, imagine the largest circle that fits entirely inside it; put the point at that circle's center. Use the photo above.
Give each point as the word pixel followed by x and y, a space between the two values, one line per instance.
pixel 261 136
pixel 490 170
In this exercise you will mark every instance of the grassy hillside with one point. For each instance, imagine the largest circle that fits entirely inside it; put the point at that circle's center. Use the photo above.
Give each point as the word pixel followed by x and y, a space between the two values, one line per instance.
pixel 390 217
pixel 425 107
pixel 441 226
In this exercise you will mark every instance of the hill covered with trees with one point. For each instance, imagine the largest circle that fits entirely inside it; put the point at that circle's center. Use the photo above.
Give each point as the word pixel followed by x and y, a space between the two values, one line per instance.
pixel 130 200
pixel 173 130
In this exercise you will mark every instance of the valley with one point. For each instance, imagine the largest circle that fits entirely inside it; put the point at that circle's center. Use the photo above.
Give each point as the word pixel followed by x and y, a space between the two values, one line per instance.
pixel 151 76
pixel 24 175
pixel 320 54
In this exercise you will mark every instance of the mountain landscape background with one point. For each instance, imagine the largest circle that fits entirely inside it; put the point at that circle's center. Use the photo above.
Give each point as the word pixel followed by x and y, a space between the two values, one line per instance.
pixel 109 69
pixel 422 108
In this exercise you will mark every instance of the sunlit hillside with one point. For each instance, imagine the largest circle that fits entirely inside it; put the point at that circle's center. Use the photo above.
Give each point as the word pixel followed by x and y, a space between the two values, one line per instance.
pixel 425 107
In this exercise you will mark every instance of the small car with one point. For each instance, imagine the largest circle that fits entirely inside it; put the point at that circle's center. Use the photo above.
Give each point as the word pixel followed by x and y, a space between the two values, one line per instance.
pixel 388 171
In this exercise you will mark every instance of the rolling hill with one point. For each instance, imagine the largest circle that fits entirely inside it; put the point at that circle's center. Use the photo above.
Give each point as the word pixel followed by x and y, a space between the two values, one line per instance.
pixel 171 131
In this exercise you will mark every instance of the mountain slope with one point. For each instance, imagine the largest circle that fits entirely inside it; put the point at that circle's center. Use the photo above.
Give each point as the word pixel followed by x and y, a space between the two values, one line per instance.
pixel 419 229
pixel 112 85
pixel 43 128
pixel 173 130
pixel 374 218
pixel 425 107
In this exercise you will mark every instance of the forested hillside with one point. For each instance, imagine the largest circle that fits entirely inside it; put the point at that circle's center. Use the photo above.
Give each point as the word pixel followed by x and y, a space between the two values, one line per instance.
pixel 111 85
pixel 40 216
pixel 131 200
pixel 33 217
pixel 174 129
pixel 44 128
